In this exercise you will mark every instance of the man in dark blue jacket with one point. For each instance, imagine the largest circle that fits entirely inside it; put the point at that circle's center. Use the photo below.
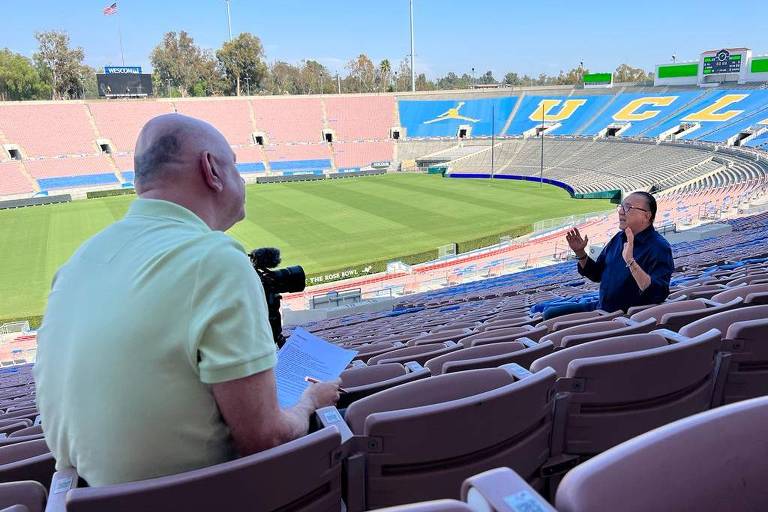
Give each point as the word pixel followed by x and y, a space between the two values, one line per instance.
pixel 635 267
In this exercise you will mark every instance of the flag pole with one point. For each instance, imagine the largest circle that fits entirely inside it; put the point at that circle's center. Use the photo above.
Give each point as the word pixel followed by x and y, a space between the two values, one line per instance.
pixel 120 37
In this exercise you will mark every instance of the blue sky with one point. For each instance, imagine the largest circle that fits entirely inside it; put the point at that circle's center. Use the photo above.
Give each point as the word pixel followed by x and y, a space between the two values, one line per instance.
pixel 531 36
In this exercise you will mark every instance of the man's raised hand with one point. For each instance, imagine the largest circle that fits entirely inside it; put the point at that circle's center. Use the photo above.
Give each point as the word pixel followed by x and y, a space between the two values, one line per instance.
pixel 576 242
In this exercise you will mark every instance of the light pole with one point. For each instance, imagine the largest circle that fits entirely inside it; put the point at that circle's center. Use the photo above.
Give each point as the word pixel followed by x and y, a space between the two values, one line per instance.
pixel 168 81
pixel 248 84
pixel 229 19
pixel 413 69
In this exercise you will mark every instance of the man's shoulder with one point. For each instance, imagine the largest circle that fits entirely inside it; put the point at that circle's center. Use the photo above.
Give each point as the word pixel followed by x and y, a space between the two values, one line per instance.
pixel 658 239
pixel 220 247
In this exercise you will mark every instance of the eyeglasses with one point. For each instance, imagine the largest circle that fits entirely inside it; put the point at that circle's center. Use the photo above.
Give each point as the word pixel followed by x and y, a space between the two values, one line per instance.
pixel 627 208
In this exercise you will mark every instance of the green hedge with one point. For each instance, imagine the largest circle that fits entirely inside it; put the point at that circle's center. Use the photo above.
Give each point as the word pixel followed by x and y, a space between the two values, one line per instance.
pixel 34 320
pixel 108 193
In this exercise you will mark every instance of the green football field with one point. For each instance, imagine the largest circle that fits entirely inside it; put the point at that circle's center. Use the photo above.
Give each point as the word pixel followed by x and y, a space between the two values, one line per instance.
pixel 323 226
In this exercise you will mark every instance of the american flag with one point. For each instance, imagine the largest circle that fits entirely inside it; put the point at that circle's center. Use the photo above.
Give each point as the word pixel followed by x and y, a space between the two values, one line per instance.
pixel 112 9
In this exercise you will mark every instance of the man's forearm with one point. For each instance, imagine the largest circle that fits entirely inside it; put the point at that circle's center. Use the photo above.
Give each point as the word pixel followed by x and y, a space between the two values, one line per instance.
pixel 642 279
pixel 297 420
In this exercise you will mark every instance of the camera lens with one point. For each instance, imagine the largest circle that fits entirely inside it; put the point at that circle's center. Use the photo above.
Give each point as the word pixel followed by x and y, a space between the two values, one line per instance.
pixel 289 279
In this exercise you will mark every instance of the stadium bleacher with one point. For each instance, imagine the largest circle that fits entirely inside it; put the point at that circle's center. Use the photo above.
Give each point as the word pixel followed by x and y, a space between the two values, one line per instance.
pixel 293 130
pixel 483 347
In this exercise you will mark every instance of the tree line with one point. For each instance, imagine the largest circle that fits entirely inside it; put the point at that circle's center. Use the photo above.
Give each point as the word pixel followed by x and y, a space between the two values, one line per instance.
pixel 181 68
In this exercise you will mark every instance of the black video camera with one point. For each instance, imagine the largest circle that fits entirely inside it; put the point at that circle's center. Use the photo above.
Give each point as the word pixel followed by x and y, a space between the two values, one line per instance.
pixel 275 282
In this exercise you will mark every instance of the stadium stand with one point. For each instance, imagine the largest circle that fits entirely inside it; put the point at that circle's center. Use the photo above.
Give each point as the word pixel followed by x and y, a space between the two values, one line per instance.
pixel 13 181
pixel 565 115
pixel 442 118
pixel 289 119
pixel 638 111
pixel 121 121
pixel 360 118
pixel 351 154
pixel 230 116
pixel 48 129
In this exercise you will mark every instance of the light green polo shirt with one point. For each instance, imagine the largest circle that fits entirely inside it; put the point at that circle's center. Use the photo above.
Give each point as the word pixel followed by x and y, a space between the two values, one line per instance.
pixel 140 321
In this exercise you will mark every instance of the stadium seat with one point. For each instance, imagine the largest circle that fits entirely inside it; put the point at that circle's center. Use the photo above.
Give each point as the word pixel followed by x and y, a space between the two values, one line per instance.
pixel 613 389
pixel 430 506
pixel 26 460
pixel 304 474
pixel 637 475
pixel 418 353
pixel 504 334
pixel 573 319
pixel 27 431
pixel 744 334
pixel 583 333
pixel 489 355
pixel 751 294
pixel 440 336
pixel 26 496
pixel 420 440
pixel 674 315
pixel 361 382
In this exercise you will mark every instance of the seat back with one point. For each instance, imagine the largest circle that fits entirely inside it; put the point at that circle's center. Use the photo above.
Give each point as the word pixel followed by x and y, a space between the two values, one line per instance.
pixel 716 460
pixel 362 382
pixel 523 357
pixel 302 475
pixel 659 311
pixel 614 397
pixel 742 291
pixel 28 431
pixel 745 331
pixel 438 337
pixel 428 450
pixel 593 327
pixel 27 460
pixel 435 364
pixel 417 353
pixel 365 375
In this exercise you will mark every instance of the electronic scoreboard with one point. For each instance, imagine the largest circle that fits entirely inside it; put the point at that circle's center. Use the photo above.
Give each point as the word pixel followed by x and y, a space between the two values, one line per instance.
pixel 722 62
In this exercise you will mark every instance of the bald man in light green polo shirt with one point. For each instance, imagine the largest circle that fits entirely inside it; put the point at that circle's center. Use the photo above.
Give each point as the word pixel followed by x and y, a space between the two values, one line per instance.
pixel 155 355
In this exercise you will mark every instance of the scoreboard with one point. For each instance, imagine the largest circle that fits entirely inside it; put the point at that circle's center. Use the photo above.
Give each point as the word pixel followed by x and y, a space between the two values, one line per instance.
pixel 722 62
pixel 124 85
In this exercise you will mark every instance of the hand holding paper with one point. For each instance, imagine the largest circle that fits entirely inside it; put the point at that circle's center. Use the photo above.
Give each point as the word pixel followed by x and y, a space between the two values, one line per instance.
pixel 307 355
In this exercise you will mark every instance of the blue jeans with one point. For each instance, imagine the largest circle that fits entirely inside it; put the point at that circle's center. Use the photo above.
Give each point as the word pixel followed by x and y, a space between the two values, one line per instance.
pixel 567 308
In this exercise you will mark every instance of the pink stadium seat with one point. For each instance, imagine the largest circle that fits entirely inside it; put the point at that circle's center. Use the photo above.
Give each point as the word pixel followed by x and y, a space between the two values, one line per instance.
pixel 504 334
pixel 476 431
pixel 362 117
pixel 231 116
pixel 584 333
pixel 121 121
pixel 674 315
pixel 302 475
pixel 489 356
pixel 364 381
pixel 48 129
pixel 124 162
pixel 418 353
pixel 289 119
pixel 26 460
pixel 744 333
pixel 12 181
pixel 58 167
pixel 356 154
pixel 617 388
pixel 288 152
pixel 22 497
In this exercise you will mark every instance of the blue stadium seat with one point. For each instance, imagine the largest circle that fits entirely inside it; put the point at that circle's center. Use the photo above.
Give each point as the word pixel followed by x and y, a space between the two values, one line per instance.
pixel 442 118
pixel 86 180
pixel 291 165
pixel 584 109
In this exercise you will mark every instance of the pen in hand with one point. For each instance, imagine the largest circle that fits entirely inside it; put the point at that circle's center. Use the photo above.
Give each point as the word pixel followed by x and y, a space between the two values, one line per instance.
pixel 313 380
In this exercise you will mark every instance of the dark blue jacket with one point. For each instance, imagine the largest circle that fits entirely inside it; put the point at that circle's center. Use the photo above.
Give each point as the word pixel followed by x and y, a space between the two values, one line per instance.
pixel 618 289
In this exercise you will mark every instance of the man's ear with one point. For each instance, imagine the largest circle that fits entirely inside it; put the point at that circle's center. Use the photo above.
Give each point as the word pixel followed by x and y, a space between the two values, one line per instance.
pixel 210 173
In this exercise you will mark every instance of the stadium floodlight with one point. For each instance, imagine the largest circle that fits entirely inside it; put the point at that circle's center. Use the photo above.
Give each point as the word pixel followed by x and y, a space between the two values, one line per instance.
pixel 413 69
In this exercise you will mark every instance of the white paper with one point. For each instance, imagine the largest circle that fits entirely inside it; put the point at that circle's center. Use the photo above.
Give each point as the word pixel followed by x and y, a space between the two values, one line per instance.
pixel 306 355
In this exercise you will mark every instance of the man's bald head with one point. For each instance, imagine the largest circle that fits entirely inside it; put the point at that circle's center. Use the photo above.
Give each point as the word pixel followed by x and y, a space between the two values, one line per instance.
pixel 172 142
pixel 189 162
